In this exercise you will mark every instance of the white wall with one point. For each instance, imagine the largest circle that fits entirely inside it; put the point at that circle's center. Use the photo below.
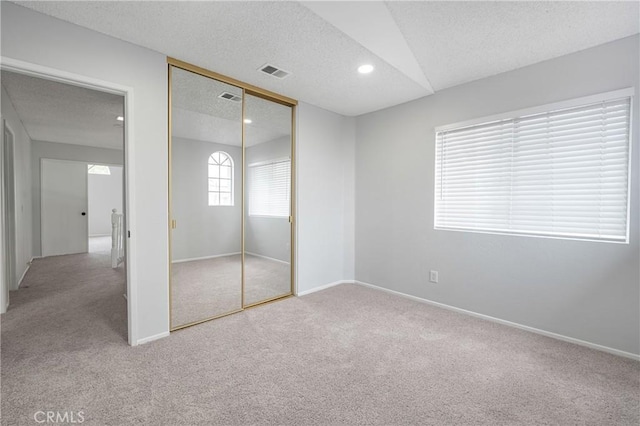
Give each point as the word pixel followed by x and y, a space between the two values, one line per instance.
pixel 268 236
pixel 38 39
pixel 583 290
pixel 22 181
pixel 324 156
pixel 61 151
pixel 325 159
pixel 104 194
pixel 203 230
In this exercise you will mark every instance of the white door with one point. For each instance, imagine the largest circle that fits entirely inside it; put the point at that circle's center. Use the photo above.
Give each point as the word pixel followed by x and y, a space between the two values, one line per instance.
pixel 64 207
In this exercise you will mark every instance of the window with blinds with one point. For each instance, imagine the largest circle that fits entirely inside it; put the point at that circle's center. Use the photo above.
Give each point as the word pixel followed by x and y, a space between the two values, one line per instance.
pixel 269 188
pixel 562 173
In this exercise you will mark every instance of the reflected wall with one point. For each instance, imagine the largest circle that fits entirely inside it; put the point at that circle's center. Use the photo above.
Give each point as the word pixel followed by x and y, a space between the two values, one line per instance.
pixel 268 149
pixel 206 199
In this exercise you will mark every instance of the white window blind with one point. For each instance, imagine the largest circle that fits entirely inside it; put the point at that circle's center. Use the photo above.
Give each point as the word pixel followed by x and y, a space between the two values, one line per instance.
pixel 563 173
pixel 269 188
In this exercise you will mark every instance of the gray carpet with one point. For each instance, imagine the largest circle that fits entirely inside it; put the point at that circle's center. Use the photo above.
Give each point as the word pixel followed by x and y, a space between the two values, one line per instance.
pixel 346 355
pixel 205 288
pixel 265 279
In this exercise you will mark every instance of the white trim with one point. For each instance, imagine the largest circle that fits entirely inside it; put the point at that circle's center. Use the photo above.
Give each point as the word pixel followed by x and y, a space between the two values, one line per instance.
pixel 100 163
pixel 324 287
pixel 507 323
pixel 266 257
pixel 569 103
pixel 9 213
pixel 192 259
pixel 99 235
pixel 531 234
pixel 273 161
pixel 54 74
pixel 152 338
pixel 629 168
pixel 4 304
pixel 294 201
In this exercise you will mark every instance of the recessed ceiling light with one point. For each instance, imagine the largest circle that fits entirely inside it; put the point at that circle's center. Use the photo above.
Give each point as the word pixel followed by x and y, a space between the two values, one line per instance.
pixel 365 69
pixel 120 118
pixel 247 120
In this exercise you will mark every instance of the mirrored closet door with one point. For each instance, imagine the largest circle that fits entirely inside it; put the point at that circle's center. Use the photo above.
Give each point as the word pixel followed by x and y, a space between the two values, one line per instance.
pixel 230 196
pixel 267 242
pixel 206 198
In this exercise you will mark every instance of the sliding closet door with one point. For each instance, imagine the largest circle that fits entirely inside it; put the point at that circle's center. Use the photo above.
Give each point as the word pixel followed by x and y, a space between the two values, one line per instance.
pixel 205 198
pixel 268 177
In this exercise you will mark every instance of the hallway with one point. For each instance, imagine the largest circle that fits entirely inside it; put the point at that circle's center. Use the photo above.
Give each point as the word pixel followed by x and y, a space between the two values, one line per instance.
pixel 85 284
pixel 75 298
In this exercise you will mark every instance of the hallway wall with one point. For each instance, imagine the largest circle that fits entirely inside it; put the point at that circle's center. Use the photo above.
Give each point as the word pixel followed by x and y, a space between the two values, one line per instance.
pixel 104 194
pixel 202 230
pixel 22 169
pixel 62 151
pixel 35 38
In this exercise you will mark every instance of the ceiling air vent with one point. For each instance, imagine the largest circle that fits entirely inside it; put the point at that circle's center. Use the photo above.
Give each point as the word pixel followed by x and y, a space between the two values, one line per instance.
pixel 274 71
pixel 230 97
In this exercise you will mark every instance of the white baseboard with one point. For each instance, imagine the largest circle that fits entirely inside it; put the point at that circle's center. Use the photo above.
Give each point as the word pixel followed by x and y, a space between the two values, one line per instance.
pixel 266 257
pixel 205 257
pixel 99 235
pixel 505 322
pixel 323 287
pixel 152 338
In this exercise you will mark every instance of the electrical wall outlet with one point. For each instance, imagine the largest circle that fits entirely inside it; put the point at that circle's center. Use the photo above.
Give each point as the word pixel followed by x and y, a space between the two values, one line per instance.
pixel 433 276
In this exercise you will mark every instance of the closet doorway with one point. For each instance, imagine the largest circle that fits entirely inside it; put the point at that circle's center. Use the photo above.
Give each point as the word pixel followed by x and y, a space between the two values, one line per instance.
pixel 231 215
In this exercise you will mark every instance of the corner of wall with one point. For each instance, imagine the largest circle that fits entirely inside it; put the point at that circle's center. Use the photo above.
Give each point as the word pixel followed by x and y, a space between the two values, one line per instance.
pixel 349 206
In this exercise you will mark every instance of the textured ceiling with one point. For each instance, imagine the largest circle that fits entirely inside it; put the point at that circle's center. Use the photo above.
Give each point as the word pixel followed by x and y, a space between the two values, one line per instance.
pixel 195 93
pixel 457 42
pixel 57 112
pixel 199 114
pixel 415 46
pixel 63 113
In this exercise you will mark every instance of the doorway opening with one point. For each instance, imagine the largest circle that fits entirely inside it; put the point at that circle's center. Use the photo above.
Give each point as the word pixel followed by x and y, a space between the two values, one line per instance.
pixel 105 202
pixel 78 171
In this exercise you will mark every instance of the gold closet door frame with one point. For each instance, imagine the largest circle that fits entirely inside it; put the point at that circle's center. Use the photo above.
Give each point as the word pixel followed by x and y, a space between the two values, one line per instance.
pixel 247 89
